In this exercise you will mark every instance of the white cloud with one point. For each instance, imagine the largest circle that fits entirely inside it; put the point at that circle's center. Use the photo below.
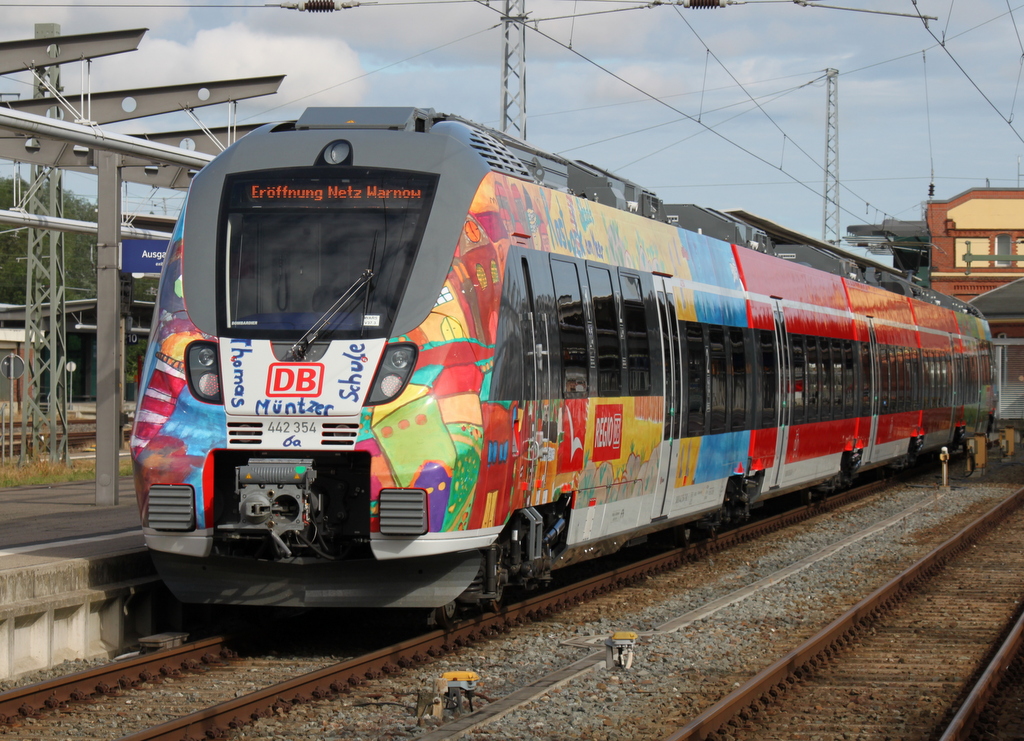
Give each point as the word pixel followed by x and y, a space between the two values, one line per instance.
pixel 447 56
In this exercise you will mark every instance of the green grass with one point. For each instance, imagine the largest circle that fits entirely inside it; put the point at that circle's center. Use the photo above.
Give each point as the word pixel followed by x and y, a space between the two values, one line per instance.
pixel 42 473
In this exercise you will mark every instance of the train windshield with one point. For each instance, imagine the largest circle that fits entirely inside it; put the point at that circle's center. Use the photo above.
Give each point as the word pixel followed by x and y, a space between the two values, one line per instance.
pixel 296 240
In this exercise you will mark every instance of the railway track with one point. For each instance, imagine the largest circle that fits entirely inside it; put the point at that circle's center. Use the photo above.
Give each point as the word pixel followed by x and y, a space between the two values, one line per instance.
pixel 79 437
pixel 901 662
pixel 27 710
pixel 995 707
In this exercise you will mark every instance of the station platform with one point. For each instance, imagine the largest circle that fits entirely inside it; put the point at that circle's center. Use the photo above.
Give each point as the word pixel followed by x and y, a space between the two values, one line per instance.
pixel 76 581
pixel 60 521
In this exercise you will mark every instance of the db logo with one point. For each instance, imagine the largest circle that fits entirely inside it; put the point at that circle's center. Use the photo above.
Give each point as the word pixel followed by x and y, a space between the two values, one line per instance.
pixel 295 379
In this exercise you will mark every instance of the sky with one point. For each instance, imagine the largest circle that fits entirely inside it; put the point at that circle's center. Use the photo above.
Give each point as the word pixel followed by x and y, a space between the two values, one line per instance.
pixel 722 107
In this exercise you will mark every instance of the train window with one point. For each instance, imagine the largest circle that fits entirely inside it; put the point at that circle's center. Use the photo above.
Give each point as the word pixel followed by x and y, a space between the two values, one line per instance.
pixel 966 381
pixel 638 347
pixel 530 340
pixel 831 378
pixel 899 368
pixel 606 325
pixel 896 380
pixel 571 328
pixel 825 378
pixel 884 380
pixel 973 392
pixel 812 383
pixel 945 377
pixel 924 361
pixel 960 374
pixel 696 377
pixel 963 380
pixel 902 369
pixel 907 369
pixel 738 402
pixel 849 381
pixel 769 377
pixel 836 348
pixel 865 378
pixel 679 333
pixel 670 351
pixel 916 379
pixel 289 258
pixel 718 373
pixel 799 368
pixel 987 367
pixel 511 364
pixel 972 376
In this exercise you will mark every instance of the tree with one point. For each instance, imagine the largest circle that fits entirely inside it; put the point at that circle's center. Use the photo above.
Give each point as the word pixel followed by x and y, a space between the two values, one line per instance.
pixel 79 250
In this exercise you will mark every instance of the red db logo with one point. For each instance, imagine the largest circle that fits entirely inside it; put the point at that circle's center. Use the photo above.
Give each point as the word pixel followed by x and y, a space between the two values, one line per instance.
pixel 294 379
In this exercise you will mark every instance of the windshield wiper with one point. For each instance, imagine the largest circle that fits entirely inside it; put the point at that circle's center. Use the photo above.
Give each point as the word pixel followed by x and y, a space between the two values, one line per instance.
pixel 298 350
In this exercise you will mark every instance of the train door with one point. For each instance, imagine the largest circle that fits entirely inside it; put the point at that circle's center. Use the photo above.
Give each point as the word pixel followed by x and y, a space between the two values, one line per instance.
pixel 945 379
pixel 672 364
pixel 874 407
pixel 784 393
pixel 540 413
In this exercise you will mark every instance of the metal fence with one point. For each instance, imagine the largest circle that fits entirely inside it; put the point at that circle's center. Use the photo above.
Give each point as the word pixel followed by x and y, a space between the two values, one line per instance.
pixel 1010 377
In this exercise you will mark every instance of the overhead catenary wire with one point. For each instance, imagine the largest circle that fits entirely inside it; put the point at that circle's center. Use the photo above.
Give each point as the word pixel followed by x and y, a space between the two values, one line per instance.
pixel 656 99
pixel 1020 66
pixel 724 121
pixel 761 108
pixel 385 3
pixel 773 96
pixel 970 79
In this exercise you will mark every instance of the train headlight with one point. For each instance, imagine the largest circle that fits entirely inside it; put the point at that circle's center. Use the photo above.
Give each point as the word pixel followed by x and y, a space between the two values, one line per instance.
pixel 206 356
pixel 336 153
pixel 203 372
pixel 402 357
pixel 394 373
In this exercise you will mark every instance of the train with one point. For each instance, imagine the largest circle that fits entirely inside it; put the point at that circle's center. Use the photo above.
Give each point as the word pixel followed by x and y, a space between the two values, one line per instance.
pixel 401 360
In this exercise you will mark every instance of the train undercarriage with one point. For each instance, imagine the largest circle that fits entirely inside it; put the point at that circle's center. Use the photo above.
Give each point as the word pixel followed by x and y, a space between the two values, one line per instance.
pixel 308 521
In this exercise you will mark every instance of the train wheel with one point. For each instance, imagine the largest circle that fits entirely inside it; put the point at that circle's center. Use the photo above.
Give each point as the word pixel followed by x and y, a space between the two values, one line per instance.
pixel 495 604
pixel 445 616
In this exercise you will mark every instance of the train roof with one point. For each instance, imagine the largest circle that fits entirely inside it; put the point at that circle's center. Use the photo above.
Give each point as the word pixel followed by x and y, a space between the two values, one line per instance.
pixel 512 156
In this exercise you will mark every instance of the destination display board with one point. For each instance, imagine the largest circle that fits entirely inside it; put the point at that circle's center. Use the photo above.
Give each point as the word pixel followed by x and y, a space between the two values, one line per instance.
pixel 361 189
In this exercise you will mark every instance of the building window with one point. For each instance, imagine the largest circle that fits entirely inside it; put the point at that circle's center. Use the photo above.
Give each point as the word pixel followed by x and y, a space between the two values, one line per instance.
pixel 1004 246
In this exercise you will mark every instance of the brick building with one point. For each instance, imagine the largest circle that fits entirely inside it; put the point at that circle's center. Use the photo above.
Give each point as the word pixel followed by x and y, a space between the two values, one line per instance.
pixel 982 221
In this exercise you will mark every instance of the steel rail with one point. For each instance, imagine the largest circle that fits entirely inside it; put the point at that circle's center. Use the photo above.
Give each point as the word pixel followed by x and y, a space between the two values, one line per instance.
pixel 331 681
pixel 773 681
pixel 340 678
pixel 962 725
pixel 109 679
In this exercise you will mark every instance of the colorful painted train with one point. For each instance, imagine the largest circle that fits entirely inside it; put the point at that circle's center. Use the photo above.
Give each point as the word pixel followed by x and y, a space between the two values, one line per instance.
pixel 401 360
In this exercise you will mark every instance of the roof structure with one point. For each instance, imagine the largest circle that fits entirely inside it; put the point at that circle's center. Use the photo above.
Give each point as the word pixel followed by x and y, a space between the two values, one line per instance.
pixel 1004 302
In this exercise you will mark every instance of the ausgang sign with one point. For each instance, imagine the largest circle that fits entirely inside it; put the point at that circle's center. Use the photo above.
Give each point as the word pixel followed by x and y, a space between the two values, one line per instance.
pixel 143 256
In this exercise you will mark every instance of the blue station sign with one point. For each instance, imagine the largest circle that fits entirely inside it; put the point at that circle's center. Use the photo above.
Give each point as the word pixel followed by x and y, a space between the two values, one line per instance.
pixel 143 256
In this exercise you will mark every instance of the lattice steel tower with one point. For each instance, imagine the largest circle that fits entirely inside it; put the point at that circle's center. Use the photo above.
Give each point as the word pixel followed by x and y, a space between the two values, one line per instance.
pixel 830 214
pixel 513 68
pixel 44 416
